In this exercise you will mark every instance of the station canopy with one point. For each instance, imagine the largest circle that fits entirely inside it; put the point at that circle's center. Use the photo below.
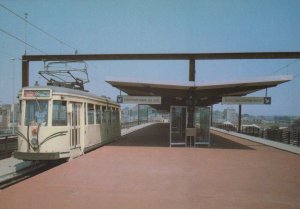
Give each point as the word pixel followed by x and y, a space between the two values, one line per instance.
pixel 195 93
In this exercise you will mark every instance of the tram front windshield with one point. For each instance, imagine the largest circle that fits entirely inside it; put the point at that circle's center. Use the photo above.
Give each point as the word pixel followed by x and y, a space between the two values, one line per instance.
pixel 36 112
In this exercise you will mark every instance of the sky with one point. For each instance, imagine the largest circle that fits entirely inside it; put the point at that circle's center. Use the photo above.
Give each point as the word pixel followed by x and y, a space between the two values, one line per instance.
pixel 156 26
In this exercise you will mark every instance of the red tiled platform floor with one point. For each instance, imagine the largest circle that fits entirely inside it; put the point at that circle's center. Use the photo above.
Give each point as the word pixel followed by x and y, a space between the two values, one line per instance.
pixel 162 177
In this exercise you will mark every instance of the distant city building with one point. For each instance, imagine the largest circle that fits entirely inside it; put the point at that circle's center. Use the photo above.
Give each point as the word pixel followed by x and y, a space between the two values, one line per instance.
pixel 218 117
pixel 4 118
pixel 230 115
pixel 9 117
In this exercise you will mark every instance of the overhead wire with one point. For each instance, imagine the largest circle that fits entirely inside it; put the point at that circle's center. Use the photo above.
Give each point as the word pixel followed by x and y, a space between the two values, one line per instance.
pixel 285 66
pixel 297 75
pixel 15 37
pixel 8 54
pixel 38 28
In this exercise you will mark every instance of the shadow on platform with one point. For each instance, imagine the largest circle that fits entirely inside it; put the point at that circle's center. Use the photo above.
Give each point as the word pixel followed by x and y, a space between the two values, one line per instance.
pixel 157 135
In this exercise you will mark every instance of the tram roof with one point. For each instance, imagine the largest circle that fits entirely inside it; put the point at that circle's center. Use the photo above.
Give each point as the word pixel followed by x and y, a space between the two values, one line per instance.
pixel 206 93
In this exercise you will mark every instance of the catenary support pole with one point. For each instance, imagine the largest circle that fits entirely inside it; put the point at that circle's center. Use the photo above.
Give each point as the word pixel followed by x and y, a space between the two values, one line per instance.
pixel 25 73
pixel 192 70
pixel 211 114
pixel 240 118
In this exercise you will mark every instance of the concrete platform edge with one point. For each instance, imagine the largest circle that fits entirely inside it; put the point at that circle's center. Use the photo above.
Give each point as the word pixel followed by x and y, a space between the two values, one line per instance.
pixel 126 131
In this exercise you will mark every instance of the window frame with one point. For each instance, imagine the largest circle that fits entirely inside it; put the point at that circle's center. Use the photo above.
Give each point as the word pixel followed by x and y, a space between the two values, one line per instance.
pixel 91 115
pixel 98 114
pixel 66 113
pixel 32 120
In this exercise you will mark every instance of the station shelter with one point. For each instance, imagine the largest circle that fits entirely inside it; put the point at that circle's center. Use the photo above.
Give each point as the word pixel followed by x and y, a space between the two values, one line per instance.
pixel 190 103
pixel 181 134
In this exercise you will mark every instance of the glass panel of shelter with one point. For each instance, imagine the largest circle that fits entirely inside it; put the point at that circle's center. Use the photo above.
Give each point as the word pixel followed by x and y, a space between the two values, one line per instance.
pixel 178 125
pixel 202 124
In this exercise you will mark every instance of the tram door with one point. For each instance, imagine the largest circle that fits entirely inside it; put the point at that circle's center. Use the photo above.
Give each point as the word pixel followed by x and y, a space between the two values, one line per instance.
pixel 75 125
pixel 178 125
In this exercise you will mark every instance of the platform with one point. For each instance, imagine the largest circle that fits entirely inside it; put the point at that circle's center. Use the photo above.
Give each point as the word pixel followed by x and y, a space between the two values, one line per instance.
pixel 230 174
pixel 9 166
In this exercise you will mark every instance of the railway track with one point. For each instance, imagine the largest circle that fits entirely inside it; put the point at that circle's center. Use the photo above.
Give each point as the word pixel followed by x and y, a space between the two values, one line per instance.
pixel 28 172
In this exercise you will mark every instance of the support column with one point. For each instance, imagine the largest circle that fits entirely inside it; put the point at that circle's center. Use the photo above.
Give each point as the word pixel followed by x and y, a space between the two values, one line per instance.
pixel 211 115
pixel 190 112
pixel 240 118
pixel 25 73
pixel 138 114
pixel 147 114
pixel 192 70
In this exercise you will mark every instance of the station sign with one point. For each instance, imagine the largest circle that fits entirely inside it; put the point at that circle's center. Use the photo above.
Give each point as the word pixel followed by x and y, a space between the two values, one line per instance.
pixel 246 100
pixel 139 99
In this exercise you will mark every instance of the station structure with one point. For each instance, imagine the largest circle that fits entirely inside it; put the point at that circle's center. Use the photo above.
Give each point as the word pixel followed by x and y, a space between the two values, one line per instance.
pixel 188 104
pixel 140 170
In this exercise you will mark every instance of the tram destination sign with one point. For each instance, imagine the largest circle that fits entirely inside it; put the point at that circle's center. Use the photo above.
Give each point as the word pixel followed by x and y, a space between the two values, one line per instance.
pixel 246 100
pixel 139 99
pixel 37 93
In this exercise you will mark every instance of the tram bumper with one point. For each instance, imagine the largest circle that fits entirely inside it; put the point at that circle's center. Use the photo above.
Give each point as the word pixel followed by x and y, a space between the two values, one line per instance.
pixel 39 156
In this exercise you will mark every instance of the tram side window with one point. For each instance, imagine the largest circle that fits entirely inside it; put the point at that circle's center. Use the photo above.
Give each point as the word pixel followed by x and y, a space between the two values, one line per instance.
pixel 20 112
pixel 98 114
pixel 59 114
pixel 91 110
pixel 117 116
pixel 85 113
pixel 36 112
pixel 104 120
pixel 108 112
pixel 113 116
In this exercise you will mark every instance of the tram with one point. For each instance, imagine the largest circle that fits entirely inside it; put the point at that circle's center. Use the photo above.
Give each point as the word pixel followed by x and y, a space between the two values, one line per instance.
pixel 64 123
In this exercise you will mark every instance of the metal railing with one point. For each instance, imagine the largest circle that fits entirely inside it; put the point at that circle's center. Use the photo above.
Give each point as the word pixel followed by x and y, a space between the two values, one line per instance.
pixel 226 127
pixel 8 144
pixel 288 135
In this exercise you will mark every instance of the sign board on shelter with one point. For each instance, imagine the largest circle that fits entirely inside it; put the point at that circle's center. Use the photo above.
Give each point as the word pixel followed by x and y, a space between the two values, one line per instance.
pixel 139 99
pixel 246 100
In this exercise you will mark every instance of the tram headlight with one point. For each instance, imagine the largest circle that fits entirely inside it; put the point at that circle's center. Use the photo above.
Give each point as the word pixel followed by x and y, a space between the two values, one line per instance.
pixel 34 131
pixel 34 142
